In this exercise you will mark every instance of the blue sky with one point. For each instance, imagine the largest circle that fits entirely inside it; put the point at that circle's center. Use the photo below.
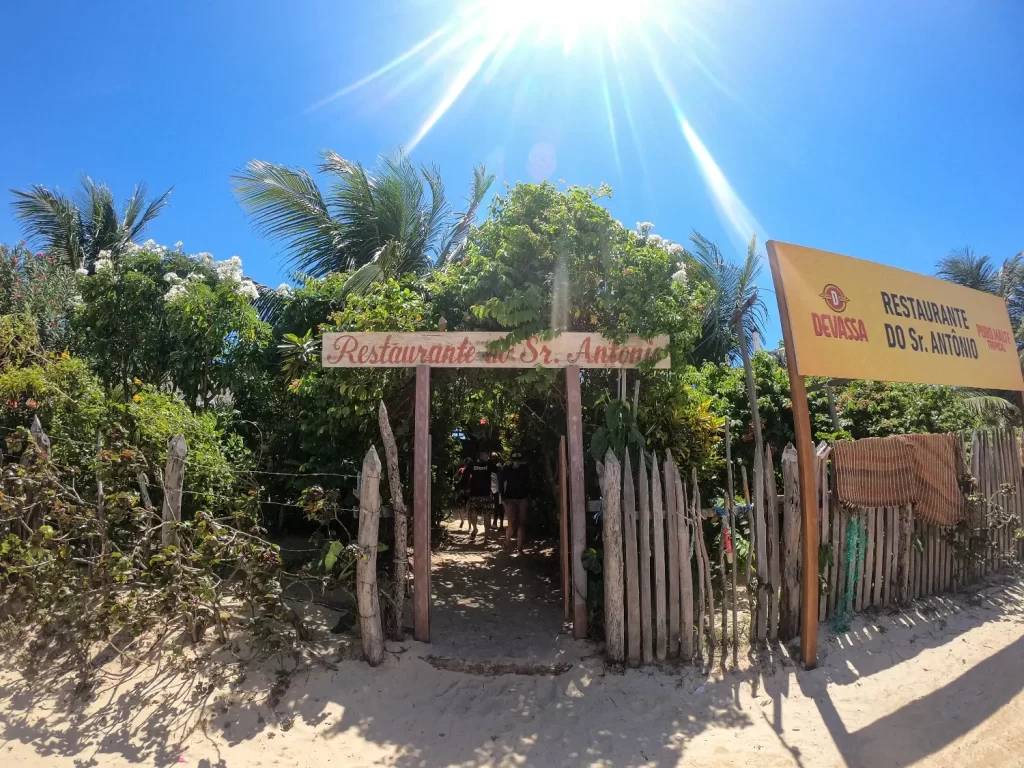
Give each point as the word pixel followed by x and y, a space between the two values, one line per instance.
pixel 889 131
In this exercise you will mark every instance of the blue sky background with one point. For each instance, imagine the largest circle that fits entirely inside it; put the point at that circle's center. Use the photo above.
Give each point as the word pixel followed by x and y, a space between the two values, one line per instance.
pixel 889 131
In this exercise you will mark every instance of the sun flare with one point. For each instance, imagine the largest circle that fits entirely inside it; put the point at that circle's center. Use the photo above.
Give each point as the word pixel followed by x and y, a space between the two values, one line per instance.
pixel 608 40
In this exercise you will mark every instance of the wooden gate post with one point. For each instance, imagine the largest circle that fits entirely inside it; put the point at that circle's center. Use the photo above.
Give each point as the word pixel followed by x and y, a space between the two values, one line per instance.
pixel 174 481
pixel 577 502
pixel 366 566
pixel 421 506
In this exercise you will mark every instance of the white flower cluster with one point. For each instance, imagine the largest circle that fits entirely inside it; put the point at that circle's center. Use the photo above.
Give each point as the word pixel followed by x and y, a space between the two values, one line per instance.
pixel 103 262
pixel 248 289
pixel 285 291
pixel 675 250
pixel 179 285
pixel 230 269
pixel 82 271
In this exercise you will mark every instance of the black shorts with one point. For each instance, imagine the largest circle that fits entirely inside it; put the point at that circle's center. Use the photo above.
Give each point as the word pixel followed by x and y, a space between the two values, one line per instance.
pixel 481 502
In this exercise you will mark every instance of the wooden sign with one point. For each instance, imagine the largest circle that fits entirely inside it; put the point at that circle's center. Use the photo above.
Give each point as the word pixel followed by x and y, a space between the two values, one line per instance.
pixel 470 350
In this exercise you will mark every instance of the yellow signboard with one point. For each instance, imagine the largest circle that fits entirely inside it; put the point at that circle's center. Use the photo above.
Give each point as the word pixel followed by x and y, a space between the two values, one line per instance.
pixel 854 319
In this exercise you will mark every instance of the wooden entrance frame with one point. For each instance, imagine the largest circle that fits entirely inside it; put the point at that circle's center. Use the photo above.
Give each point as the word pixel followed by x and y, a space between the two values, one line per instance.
pixel 425 350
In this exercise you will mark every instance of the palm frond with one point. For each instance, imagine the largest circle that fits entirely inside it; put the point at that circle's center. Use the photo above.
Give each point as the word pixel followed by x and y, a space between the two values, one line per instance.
pixel 962 267
pixel 286 205
pixel 458 235
pixel 734 294
pixel 50 219
pixel 137 215
pixel 269 305
pixel 392 260
pixel 991 410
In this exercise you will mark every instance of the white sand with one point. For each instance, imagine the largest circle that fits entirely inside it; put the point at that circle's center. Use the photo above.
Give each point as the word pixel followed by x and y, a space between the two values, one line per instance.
pixel 938 685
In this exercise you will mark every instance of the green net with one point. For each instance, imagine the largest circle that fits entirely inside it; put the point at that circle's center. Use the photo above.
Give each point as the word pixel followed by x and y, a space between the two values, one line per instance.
pixel 853 558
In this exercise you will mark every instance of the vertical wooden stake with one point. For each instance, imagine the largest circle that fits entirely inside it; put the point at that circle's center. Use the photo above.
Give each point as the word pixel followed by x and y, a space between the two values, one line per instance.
pixel 577 501
pixel 421 507
pixel 174 482
pixel 366 565
pixel 644 566
pixel 685 572
pixel 660 599
pixel 731 513
pixel 672 550
pixel 751 605
pixel 611 519
pixel 904 535
pixel 101 517
pixel 563 526
pixel 789 623
pixel 805 457
pixel 706 568
pixel 396 605
pixel 632 575
pixel 772 510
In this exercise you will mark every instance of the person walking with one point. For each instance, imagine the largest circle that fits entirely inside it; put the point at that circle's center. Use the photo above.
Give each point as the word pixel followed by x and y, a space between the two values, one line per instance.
pixel 480 501
pixel 498 510
pixel 515 490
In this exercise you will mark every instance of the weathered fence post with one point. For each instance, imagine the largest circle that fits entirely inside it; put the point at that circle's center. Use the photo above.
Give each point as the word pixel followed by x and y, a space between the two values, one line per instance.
pixel 730 512
pixel 611 518
pixel 772 510
pixel 632 576
pixel 646 618
pixel 685 574
pixel 789 615
pixel 395 609
pixel 660 600
pixel 174 481
pixel 761 554
pixel 672 550
pixel 101 516
pixel 709 592
pixel 366 566
pixel 903 556
pixel 42 440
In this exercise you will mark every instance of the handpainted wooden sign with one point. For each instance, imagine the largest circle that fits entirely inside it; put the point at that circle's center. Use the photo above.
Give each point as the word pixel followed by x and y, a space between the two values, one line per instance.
pixel 470 350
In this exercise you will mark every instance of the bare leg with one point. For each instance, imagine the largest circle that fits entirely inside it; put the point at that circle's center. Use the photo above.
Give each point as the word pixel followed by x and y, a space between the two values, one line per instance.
pixel 462 516
pixel 510 516
pixel 521 526
pixel 472 523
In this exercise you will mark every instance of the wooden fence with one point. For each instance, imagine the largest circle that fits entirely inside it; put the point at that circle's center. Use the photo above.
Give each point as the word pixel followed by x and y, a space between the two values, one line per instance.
pixel 659 591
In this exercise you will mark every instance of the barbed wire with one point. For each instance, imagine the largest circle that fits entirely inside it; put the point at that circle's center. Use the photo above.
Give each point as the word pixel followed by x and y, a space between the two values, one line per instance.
pixel 227 465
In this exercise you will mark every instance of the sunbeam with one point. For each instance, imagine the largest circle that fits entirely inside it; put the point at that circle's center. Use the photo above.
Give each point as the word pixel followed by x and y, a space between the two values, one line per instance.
pixel 741 222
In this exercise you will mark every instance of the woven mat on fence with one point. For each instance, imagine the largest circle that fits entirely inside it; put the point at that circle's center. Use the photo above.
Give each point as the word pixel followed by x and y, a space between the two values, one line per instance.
pixel 904 469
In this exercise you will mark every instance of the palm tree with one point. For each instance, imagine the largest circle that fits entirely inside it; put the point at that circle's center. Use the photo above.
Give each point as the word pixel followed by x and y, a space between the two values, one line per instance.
pixel 386 223
pixel 76 229
pixel 733 289
pixel 962 267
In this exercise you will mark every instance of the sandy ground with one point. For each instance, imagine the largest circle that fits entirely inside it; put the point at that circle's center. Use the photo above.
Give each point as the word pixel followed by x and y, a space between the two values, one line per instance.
pixel 940 684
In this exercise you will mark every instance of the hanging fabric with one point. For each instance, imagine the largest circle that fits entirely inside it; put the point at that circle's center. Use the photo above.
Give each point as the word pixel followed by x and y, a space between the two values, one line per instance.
pixel 922 470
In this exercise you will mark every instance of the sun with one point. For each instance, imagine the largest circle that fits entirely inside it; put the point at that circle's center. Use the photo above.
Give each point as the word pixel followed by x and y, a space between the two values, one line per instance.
pixel 615 42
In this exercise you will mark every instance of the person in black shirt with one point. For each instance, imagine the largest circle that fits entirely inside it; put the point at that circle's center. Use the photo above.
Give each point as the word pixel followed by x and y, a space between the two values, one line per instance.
pixel 515 490
pixel 498 511
pixel 478 481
